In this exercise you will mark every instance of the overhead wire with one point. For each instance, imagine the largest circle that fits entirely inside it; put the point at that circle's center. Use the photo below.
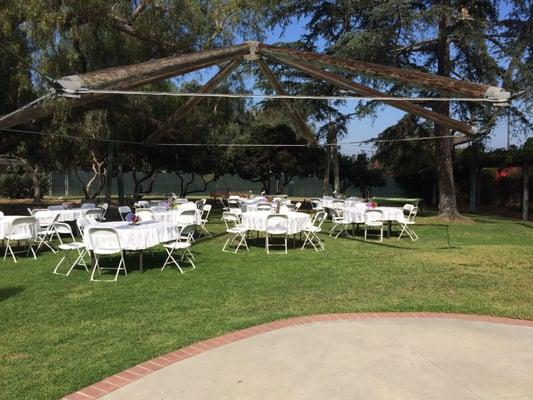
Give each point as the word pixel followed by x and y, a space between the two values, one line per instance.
pixel 277 96
pixel 358 143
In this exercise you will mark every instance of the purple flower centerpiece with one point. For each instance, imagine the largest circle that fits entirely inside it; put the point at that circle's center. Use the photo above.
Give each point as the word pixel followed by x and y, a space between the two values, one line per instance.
pixel 371 204
pixel 133 219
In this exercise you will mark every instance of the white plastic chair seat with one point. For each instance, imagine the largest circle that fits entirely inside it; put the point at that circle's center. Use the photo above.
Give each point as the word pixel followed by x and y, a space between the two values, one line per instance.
pixel 338 220
pixel 177 245
pixel 313 229
pixel 71 246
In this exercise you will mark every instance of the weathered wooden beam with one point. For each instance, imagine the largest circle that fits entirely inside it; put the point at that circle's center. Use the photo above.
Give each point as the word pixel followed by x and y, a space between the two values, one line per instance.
pixel 138 74
pixel 296 117
pixel 318 73
pixel 74 82
pixel 186 107
pixel 407 77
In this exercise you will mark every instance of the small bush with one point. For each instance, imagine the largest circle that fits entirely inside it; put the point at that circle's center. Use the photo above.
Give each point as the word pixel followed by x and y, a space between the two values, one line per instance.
pixel 18 184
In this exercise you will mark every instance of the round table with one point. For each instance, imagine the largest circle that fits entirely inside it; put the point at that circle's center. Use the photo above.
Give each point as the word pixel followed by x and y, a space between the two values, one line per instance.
pixel 356 215
pixel 256 221
pixel 328 203
pixel 136 237
pixel 68 215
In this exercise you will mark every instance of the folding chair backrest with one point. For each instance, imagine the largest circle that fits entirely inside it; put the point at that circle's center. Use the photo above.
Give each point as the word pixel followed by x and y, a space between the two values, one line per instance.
pixel 187 232
pixel 412 214
pixel 316 204
pixel 373 215
pixel 191 216
pixel 88 205
pixel 234 204
pixel 338 204
pixel 407 208
pixel 94 214
pixel 44 217
pixel 319 218
pixel 277 223
pixel 1 213
pixel 62 228
pixel 264 207
pixel 206 211
pixel 123 210
pixel 290 207
pixel 23 225
pixel 104 239
pixel 230 218
pixel 104 207
pixel 298 205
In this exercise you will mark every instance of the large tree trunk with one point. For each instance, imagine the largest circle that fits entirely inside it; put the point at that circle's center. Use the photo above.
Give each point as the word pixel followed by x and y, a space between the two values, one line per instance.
pixel 335 159
pixel 447 200
pixel 525 191
pixel 327 165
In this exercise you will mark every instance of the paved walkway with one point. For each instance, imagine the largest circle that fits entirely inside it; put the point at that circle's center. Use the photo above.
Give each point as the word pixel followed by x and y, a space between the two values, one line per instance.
pixel 378 358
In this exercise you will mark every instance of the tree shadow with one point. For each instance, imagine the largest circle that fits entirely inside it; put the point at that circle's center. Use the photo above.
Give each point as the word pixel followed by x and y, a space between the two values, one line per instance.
pixel 525 224
pixel 6 293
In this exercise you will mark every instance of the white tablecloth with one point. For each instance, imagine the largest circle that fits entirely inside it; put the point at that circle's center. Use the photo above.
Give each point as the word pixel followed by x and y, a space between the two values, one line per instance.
pixel 175 217
pixel 137 237
pixel 256 221
pixel 68 215
pixel 5 225
pixel 356 215
pixel 328 203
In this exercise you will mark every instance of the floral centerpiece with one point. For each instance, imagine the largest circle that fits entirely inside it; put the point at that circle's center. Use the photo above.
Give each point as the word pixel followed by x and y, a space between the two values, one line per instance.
pixel 371 204
pixel 133 219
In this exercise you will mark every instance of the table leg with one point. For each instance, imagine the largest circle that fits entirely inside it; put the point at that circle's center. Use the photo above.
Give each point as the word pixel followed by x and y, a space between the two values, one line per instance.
pixel 141 262
pixel 389 229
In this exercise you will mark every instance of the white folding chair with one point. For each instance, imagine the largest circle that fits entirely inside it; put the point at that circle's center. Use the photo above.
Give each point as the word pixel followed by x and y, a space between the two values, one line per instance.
pixel 61 228
pixel 277 225
pixel 1 213
pixel 105 242
pixel 94 215
pixel 337 218
pixel 123 211
pixel 407 222
pixel 182 245
pixel 145 214
pixel 311 232
pixel 236 230
pixel 23 229
pixel 374 220
pixel 316 205
pixel 88 205
pixel 235 207
pixel 104 208
pixel 204 219
pixel 44 232
pixel 297 206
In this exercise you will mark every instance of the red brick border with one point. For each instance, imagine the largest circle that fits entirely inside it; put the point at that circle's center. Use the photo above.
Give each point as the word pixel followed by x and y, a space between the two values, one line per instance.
pixel 123 378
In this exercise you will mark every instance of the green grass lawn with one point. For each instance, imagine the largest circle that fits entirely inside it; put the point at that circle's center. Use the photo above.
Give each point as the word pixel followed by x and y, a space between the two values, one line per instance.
pixel 59 334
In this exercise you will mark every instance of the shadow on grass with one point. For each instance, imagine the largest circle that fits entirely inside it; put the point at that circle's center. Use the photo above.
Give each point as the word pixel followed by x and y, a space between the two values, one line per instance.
pixel 8 292
pixel 525 224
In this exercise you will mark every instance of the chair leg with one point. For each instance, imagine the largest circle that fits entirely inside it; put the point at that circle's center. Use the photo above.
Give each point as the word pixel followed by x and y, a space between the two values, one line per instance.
pixel 95 267
pixel 266 243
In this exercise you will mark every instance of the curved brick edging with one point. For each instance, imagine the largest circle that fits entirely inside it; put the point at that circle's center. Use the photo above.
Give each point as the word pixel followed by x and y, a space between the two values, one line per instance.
pixel 123 378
